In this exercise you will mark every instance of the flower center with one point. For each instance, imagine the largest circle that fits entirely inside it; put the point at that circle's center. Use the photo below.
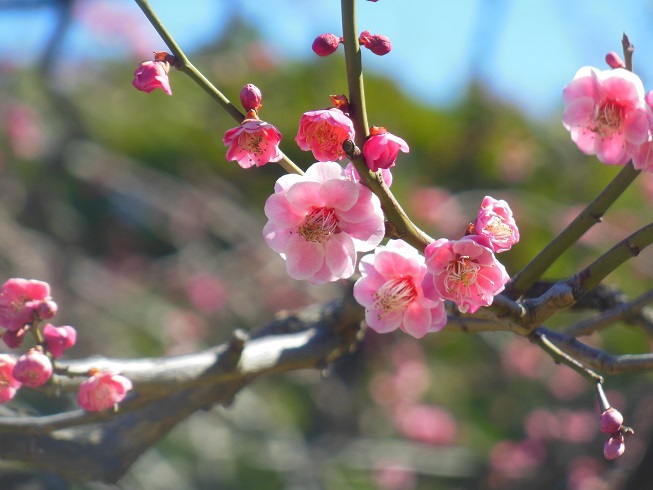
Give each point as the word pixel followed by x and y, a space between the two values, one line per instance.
pixel 252 142
pixel 396 294
pixel 608 118
pixel 461 274
pixel 326 137
pixel 318 225
pixel 499 229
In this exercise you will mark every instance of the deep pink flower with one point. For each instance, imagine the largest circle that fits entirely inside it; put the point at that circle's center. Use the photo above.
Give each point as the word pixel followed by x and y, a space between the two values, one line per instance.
pixel 102 390
pixel 254 142
pixel 606 113
pixel 352 174
pixel 390 289
pixel 250 97
pixel 464 272
pixel 496 223
pixel 318 221
pixel 325 44
pixel 377 43
pixel 14 338
pixel 614 447
pixel 21 301
pixel 611 421
pixel 323 132
pixel 33 368
pixel 150 75
pixel 8 384
pixel 58 339
pixel 381 149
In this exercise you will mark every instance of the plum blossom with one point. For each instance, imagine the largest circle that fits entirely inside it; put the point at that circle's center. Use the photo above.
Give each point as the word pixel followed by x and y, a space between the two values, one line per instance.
pixel 22 301
pixel 8 384
pixel 254 142
pixel 323 132
pixel 318 221
pixel 390 289
pixel 381 148
pixel 606 114
pixel 58 339
pixel 352 174
pixel 33 368
pixel 496 223
pixel 102 390
pixel 463 271
pixel 643 155
pixel 150 75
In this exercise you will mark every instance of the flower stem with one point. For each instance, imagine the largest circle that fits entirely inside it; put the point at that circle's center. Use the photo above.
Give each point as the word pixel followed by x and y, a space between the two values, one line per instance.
pixel 184 65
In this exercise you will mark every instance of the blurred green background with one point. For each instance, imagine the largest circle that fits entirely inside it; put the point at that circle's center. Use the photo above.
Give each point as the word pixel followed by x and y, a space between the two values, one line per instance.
pixel 152 244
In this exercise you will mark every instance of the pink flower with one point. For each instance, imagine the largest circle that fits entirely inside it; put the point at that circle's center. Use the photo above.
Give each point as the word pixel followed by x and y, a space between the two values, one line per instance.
pixel 381 149
pixel 323 132
pixel 611 421
pixel 606 113
pixel 464 272
pixel 150 75
pixel 377 43
pixel 102 390
pixel 318 221
pixel 254 142
pixel 250 97
pixel 58 339
pixel 614 447
pixel 325 44
pixel 390 289
pixel 643 155
pixel 8 384
pixel 33 368
pixel 495 222
pixel 21 301
pixel 352 174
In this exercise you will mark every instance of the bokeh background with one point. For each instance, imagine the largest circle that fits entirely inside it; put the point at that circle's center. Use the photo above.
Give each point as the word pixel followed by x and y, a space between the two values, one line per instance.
pixel 152 243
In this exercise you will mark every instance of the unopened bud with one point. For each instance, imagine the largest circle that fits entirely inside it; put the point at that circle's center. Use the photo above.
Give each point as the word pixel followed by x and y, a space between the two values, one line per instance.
pixel 33 368
pixel 250 97
pixel 325 44
pixel 614 61
pixel 611 421
pixel 377 43
pixel 614 447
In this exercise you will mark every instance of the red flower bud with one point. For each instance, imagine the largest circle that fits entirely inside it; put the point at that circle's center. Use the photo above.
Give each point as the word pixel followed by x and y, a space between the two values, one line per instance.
pixel 611 421
pixel 614 61
pixel 377 43
pixel 250 97
pixel 325 44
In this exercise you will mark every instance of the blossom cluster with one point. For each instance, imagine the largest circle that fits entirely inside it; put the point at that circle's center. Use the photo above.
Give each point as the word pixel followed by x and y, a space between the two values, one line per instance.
pixel 608 114
pixel 24 305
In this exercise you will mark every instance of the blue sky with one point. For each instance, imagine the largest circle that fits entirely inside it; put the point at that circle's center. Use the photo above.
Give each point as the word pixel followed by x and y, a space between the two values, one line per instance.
pixel 525 51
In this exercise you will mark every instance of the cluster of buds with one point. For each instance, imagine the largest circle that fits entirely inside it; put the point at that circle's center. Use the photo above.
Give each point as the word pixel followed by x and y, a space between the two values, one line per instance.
pixel 612 424
pixel 327 43
pixel 24 305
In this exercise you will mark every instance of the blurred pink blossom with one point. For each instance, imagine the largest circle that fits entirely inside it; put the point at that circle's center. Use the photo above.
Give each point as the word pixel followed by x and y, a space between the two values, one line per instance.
pixel 463 271
pixel 390 289
pixel 577 426
pixel 102 390
pixel 438 207
pixel 33 368
pixel 606 113
pixel 388 475
pixel 8 384
pixel 254 142
pixel 20 301
pixel 565 384
pixel 24 131
pixel 323 132
pixel 517 460
pixel 381 148
pixel 319 221
pixel 426 423
pixel 58 339
pixel 206 292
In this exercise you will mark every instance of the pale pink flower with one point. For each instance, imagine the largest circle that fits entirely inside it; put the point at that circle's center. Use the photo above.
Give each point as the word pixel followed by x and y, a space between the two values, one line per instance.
pixel 464 272
pixel 58 339
pixel 606 113
pixel 150 75
pixel 381 149
pixel 254 142
pixel 323 132
pixel 614 447
pixel 352 174
pixel 496 223
pixel 611 421
pixel 21 300
pixel 390 289
pixel 33 368
pixel 8 384
pixel 102 390
pixel 318 221
pixel 426 423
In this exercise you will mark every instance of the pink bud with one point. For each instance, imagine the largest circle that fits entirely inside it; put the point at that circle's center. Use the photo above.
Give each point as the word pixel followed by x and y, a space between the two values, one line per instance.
pixel 33 368
pixel 47 309
pixel 102 390
pixel 614 447
pixel 14 338
pixel 151 75
pixel 58 339
pixel 377 43
pixel 250 97
pixel 614 60
pixel 611 421
pixel 325 44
